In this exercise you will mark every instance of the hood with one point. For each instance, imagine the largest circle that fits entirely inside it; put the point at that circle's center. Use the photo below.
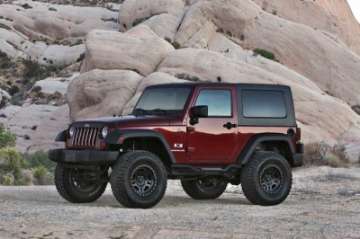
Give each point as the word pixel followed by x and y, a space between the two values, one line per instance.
pixel 129 121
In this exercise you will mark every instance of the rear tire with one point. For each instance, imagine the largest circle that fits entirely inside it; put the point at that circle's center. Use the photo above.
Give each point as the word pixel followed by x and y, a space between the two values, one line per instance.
pixel 138 179
pixel 72 187
pixel 266 179
pixel 205 188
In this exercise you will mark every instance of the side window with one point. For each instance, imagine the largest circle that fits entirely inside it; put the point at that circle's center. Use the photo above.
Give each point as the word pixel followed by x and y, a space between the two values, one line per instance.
pixel 263 104
pixel 218 102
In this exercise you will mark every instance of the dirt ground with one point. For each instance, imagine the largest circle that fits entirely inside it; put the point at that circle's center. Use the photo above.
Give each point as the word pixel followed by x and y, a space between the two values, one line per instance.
pixel 324 203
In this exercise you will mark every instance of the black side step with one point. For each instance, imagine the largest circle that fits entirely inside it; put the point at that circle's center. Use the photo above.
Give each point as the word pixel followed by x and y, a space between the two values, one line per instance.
pixel 184 170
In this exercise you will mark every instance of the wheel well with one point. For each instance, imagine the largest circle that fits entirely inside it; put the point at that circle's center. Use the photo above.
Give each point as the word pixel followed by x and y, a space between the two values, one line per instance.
pixel 151 144
pixel 281 147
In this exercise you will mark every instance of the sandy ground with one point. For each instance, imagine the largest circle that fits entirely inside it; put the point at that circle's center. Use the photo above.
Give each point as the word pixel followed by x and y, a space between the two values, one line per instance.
pixel 324 203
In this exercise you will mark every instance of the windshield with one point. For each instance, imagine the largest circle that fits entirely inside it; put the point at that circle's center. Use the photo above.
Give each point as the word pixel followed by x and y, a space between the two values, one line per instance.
pixel 162 101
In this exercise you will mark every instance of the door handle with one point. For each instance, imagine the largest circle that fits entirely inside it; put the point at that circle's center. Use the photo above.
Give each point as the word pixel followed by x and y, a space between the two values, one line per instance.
pixel 190 129
pixel 229 125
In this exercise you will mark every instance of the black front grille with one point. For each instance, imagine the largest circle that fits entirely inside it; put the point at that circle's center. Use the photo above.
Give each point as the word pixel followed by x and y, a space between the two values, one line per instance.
pixel 85 137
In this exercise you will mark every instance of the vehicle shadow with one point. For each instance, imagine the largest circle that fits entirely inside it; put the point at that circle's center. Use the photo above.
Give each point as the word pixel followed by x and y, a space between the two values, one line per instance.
pixel 179 200
pixel 172 201
pixel 49 196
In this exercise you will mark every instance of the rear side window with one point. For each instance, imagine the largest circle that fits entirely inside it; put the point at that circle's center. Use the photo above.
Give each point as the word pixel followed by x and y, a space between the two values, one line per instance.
pixel 263 104
pixel 218 102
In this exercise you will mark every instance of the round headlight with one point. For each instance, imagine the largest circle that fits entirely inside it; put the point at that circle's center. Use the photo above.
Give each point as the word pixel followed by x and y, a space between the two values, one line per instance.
pixel 104 132
pixel 71 131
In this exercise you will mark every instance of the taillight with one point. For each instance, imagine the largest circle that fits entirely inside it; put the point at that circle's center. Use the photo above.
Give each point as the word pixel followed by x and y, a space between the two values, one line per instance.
pixel 298 134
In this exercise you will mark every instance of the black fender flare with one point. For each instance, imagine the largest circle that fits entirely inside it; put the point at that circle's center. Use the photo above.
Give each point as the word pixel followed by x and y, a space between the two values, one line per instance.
pixel 118 137
pixel 61 137
pixel 250 147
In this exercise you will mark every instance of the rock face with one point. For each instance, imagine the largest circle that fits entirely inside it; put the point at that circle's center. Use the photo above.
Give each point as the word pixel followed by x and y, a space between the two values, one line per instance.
pixel 35 126
pixel 140 50
pixel 162 16
pixel 333 16
pixel 98 92
pixel 53 85
pixel 225 29
pixel 55 22
pixel 15 45
pixel 48 33
pixel 309 52
pixel 315 43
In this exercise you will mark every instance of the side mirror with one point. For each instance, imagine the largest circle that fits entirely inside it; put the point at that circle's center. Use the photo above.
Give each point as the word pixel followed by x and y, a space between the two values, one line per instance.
pixel 196 112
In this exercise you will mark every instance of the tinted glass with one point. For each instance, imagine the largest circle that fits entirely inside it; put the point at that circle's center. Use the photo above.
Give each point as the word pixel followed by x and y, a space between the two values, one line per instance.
pixel 218 102
pixel 170 99
pixel 263 104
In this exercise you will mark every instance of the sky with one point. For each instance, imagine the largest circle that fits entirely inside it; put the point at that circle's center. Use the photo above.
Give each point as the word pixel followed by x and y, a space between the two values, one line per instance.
pixel 355 6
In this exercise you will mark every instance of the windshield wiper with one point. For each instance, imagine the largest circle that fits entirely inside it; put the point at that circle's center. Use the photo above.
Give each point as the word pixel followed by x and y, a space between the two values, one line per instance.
pixel 159 111
pixel 140 111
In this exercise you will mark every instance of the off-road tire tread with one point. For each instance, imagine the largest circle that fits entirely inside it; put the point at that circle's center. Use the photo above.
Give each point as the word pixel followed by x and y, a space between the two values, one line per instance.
pixel 117 178
pixel 63 188
pixel 249 173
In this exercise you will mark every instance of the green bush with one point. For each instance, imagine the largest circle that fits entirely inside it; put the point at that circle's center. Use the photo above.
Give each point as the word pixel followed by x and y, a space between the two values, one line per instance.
pixel 37 159
pixel 176 45
pixel 34 71
pixel 319 154
pixel 7 139
pixel 26 177
pixel 5 61
pixel 12 162
pixel 25 169
pixel 40 172
pixel 7 180
pixel 264 53
pixel 41 175
pixel 21 169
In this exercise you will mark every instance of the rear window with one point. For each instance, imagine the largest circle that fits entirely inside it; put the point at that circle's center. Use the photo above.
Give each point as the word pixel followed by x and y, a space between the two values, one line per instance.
pixel 263 104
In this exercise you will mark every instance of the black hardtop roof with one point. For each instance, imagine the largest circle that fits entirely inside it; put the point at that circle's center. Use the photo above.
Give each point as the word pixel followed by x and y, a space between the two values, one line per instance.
pixel 215 84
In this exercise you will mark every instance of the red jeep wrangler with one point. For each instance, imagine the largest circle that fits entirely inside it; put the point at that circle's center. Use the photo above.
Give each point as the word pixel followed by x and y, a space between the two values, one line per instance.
pixel 205 134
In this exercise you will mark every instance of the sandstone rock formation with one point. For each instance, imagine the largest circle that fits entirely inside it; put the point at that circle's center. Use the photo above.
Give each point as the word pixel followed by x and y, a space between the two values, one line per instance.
pixel 309 52
pixel 35 126
pixel 98 92
pixel 55 22
pixel 140 50
pixel 162 16
pixel 225 28
pixel 48 33
pixel 333 16
pixel 313 43
pixel 52 85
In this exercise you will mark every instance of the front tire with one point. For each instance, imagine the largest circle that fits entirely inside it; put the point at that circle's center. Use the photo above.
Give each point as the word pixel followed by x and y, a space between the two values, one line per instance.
pixel 266 179
pixel 204 188
pixel 73 186
pixel 138 179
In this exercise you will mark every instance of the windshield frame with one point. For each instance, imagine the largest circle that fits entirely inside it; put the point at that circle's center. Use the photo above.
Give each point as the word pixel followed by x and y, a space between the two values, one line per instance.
pixel 181 112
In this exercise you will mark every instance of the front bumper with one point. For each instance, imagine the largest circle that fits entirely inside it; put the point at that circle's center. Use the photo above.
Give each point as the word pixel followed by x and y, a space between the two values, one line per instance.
pixel 84 157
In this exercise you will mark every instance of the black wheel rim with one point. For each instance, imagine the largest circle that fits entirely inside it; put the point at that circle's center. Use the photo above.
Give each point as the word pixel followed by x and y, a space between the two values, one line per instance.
pixel 143 180
pixel 271 179
pixel 80 182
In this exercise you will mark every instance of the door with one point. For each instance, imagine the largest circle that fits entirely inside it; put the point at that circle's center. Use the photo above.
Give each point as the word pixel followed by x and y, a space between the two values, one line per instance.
pixel 212 140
